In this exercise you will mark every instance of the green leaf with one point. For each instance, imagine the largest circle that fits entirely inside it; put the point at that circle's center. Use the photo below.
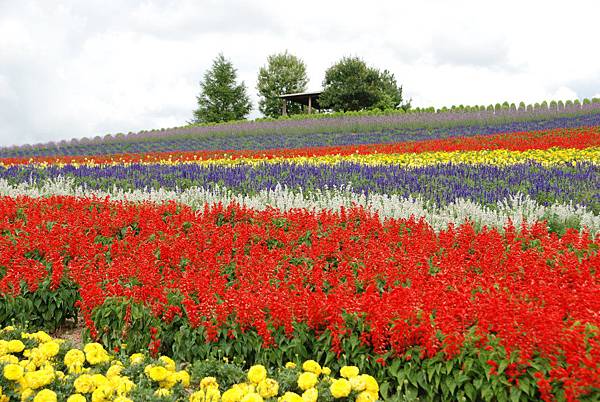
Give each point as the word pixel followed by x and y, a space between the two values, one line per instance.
pixel 430 372
pixel 384 389
pixel 470 391
pixel 503 364
pixel 515 394
pixel 450 384
pixel 525 386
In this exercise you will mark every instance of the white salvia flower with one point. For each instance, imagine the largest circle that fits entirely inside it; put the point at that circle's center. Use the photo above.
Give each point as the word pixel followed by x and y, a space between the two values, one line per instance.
pixel 518 208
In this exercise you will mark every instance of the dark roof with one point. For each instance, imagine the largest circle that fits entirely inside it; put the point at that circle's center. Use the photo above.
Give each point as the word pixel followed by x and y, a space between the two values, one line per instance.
pixel 302 97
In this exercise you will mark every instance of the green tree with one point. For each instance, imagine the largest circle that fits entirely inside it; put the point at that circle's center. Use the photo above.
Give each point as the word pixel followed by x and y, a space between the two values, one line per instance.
pixel 390 93
pixel 352 85
pixel 221 97
pixel 283 74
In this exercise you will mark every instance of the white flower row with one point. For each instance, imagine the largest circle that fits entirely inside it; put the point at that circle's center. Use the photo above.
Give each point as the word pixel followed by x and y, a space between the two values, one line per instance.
pixel 518 208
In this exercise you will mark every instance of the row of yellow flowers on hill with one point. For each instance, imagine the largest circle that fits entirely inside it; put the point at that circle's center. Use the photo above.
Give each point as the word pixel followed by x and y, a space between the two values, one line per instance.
pixel 36 367
pixel 497 157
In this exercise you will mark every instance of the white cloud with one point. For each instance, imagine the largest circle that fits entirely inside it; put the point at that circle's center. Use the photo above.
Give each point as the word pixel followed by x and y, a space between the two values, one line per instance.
pixel 73 69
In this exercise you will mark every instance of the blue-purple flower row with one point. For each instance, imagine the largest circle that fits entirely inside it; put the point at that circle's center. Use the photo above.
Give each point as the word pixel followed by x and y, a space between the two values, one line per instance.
pixel 440 184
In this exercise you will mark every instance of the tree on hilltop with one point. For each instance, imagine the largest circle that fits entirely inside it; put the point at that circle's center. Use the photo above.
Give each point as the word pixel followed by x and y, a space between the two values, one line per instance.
pixel 351 85
pixel 221 97
pixel 283 74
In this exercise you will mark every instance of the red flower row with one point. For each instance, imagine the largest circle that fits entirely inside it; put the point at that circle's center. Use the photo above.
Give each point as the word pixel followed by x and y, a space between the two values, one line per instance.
pixel 578 138
pixel 535 291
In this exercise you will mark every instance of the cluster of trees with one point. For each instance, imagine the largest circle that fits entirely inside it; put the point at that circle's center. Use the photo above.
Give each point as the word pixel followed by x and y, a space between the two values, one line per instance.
pixel 349 85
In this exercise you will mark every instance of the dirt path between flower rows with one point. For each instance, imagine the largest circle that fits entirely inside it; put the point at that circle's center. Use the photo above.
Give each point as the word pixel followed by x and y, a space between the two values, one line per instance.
pixel 71 333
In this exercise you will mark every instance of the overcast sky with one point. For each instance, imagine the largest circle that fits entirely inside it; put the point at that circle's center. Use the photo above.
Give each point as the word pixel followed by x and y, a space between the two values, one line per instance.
pixel 85 68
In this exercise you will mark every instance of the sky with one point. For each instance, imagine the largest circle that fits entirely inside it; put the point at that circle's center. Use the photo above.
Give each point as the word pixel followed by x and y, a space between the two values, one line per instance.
pixel 72 69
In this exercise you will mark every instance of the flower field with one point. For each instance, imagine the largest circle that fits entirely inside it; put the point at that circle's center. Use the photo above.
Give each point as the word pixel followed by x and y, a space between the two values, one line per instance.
pixel 445 266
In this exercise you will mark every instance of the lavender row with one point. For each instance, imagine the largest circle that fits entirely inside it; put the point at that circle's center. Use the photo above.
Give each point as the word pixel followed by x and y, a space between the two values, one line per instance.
pixel 438 184
pixel 295 133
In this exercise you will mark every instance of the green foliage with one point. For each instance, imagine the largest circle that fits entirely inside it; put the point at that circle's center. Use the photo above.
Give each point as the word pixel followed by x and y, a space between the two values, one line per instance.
pixel 45 308
pixel 119 320
pixel 221 98
pixel 283 74
pixel 227 373
pixel 351 85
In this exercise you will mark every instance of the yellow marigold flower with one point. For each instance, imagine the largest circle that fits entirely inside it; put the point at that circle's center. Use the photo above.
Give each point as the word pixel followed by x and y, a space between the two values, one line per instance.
pixel 370 384
pixel 95 353
pixel 49 349
pixel 74 356
pixel 326 371
pixel 367 396
pixel 340 388
pixel 290 397
pixel 162 392
pixel 252 397
pixel 257 373
pixel 27 365
pixel 212 394
pixel 15 346
pixel 124 386
pixel 114 370
pixel 102 394
pixel 13 372
pixel 245 387
pixel 45 395
pixel 183 377
pixel 349 371
pixel 197 396
pixel 99 380
pixel 26 394
pixel 8 328
pixel 38 379
pixel 36 356
pixel 290 365
pixel 77 369
pixel 9 359
pixel 310 395
pixel 42 337
pixel 208 382
pixel 76 398
pixel 307 380
pixel 168 363
pixel 358 383
pixel 232 395
pixel 136 358
pixel 311 366
pixel 3 347
pixel 157 373
pixel 169 381
pixel 97 357
pixel 268 388
pixel 84 384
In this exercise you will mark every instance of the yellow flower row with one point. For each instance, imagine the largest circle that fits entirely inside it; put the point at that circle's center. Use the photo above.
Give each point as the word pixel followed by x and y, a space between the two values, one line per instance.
pixel 499 157
pixel 35 367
